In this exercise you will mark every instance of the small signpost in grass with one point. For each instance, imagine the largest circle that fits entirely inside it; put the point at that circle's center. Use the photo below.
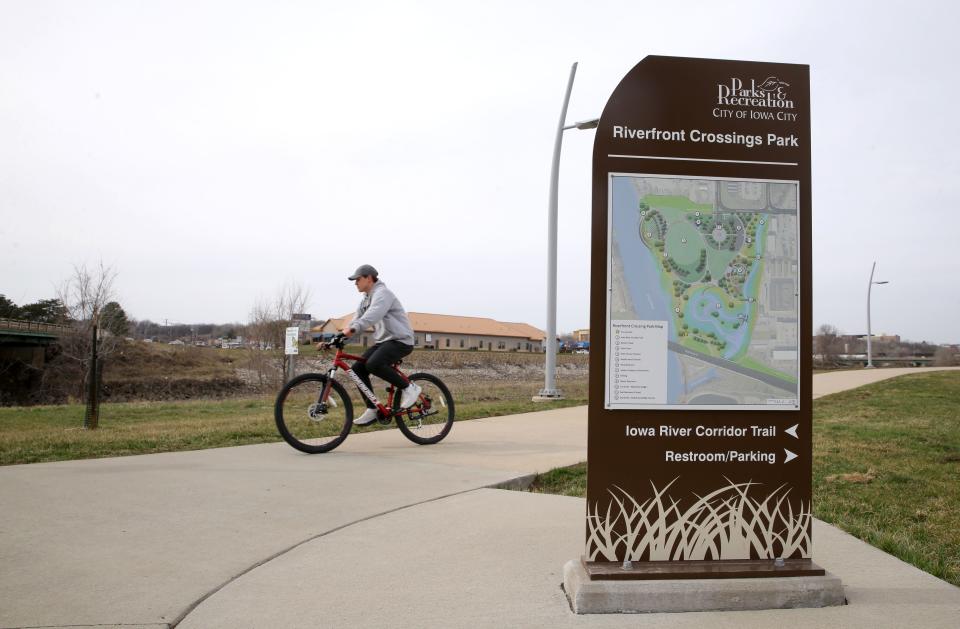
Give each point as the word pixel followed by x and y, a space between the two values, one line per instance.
pixel 291 349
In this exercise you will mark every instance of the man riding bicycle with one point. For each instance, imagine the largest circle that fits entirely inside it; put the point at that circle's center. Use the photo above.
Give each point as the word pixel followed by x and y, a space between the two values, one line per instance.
pixel 393 338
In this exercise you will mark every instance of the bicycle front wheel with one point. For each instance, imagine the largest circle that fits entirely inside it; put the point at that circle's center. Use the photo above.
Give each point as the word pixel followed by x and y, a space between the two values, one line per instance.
pixel 308 423
pixel 430 418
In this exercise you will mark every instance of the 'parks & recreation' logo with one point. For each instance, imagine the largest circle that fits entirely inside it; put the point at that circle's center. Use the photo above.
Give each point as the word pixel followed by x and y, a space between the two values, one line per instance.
pixel 767 93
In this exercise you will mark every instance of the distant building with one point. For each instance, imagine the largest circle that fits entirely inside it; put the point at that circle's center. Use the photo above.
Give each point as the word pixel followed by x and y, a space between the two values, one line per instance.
pixel 436 331
pixel 581 336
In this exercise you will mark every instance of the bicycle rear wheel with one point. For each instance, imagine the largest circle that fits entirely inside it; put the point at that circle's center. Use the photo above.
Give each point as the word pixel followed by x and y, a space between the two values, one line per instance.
pixel 430 418
pixel 308 424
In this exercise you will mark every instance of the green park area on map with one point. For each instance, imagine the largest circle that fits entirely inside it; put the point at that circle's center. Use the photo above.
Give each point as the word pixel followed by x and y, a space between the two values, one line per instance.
pixel 711 265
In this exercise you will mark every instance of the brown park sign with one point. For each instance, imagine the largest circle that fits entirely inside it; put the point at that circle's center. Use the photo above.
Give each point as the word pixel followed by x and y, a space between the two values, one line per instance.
pixel 699 448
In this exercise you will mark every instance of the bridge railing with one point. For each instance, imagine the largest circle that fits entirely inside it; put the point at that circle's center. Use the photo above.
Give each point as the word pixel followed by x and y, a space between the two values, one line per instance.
pixel 32 326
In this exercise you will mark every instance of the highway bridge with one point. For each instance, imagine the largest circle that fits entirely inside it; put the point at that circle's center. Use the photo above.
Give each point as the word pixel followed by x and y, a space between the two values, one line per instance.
pixel 26 341
pixel 885 361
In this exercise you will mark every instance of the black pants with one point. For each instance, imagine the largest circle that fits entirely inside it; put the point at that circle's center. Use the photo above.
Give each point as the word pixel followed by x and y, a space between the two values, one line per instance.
pixel 378 361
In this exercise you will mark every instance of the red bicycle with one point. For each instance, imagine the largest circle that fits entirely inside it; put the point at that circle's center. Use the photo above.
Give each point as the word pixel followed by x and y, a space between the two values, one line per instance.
pixel 314 413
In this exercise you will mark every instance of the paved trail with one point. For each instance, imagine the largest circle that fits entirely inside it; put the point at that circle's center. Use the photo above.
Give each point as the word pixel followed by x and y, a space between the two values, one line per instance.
pixel 379 533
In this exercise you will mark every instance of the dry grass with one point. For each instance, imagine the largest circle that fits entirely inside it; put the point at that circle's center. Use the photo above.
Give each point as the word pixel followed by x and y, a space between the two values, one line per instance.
pixel 853 477
pixel 144 371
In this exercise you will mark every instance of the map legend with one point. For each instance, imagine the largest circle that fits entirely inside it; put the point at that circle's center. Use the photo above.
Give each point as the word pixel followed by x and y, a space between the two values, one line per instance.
pixel 638 363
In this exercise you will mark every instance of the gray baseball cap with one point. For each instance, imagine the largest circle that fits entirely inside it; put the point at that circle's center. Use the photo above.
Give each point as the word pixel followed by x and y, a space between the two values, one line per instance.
pixel 363 269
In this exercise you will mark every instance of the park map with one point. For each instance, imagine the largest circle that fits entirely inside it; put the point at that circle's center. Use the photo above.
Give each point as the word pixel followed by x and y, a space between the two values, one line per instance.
pixel 711 267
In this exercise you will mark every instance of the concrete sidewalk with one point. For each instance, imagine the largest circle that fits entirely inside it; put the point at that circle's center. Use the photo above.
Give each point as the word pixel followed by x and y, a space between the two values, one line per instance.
pixel 137 540
pixel 836 381
pixel 493 558
pixel 378 533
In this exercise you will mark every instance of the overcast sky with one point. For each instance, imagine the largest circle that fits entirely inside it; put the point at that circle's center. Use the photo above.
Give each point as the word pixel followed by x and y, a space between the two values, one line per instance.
pixel 212 151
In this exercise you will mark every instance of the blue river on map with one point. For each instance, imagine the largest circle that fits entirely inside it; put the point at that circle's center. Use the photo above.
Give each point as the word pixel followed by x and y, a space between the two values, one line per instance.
pixel 699 313
pixel 641 274
pixel 754 277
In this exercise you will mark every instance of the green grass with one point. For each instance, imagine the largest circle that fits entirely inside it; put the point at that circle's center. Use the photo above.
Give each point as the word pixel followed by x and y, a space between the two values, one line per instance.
pixel 564 481
pixel 55 433
pixel 886 468
pixel 718 261
pixel 686 254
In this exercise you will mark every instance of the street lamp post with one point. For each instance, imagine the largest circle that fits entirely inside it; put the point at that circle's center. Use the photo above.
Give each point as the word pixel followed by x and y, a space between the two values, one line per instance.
pixel 869 288
pixel 550 390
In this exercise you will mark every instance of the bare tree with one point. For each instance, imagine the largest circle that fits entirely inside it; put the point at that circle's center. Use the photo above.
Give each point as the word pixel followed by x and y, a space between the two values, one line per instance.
pixel 269 319
pixel 87 291
pixel 946 356
pixel 826 345
pixel 75 371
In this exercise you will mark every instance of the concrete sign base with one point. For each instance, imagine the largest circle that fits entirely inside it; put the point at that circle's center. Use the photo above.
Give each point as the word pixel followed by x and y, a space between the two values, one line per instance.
pixel 696 595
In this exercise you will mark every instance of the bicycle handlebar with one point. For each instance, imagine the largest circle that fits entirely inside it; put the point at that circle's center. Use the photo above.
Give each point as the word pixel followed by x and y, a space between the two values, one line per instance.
pixel 337 341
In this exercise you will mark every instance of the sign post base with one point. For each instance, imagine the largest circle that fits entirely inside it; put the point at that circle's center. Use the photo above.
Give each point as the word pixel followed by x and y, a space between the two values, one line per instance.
pixel 727 569
pixel 673 592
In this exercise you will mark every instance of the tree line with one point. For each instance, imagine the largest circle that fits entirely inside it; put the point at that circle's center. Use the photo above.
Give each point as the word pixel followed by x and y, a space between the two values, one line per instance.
pixel 114 319
pixel 112 316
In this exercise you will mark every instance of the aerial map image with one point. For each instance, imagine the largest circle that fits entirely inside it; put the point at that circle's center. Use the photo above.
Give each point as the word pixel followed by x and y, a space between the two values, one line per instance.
pixel 704 293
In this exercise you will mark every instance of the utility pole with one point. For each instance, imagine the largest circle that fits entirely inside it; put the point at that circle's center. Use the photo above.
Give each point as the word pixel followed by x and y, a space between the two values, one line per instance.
pixel 869 334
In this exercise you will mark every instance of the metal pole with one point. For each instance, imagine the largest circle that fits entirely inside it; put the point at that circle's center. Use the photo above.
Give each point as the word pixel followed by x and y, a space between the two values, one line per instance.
pixel 550 374
pixel 869 289
pixel 91 418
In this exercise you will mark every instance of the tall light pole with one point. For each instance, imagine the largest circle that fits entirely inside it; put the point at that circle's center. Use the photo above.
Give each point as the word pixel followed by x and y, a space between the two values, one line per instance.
pixel 549 390
pixel 869 288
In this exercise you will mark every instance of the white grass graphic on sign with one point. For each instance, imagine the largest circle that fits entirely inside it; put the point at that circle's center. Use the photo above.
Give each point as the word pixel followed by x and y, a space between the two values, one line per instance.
pixel 727 523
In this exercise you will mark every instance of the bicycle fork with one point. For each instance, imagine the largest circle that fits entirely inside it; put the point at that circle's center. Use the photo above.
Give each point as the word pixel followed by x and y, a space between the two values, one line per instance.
pixel 325 392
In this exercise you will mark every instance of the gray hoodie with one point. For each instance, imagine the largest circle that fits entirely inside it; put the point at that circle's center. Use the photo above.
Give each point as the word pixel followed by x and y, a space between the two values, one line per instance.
pixel 381 310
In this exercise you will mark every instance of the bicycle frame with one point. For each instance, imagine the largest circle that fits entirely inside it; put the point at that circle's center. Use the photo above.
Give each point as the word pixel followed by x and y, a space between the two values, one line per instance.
pixel 338 363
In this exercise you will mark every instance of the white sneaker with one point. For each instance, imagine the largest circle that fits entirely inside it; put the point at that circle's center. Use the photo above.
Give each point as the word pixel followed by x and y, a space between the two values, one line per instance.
pixel 368 417
pixel 410 395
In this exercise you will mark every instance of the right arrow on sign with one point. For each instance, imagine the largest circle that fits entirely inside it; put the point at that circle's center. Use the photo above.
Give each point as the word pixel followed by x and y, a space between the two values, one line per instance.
pixel 792 431
pixel 790 456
